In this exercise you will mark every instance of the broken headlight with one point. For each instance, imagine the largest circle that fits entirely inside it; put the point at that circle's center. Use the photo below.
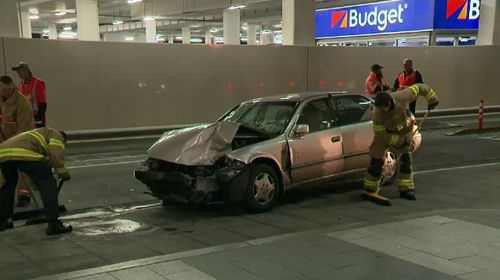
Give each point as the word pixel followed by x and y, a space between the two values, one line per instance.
pixel 232 167
pixel 149 164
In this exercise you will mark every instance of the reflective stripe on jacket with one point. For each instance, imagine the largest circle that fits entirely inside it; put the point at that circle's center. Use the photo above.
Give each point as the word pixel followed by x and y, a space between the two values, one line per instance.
pixel 36 145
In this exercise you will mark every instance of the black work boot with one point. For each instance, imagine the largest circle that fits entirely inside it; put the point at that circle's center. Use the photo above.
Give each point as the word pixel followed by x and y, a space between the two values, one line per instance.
pixel 58 227
pixel 7 224
pixel 410 195
pixel 23 200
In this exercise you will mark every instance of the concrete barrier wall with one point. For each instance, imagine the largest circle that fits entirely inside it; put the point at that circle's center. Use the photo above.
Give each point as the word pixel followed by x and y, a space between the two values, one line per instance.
pixel 460 75
pixel 99 85
pixel 2 63
pixel 95 85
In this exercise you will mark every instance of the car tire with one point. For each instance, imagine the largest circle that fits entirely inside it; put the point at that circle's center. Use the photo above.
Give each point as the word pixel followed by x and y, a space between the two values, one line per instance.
pixel 262 189
pixel 390 167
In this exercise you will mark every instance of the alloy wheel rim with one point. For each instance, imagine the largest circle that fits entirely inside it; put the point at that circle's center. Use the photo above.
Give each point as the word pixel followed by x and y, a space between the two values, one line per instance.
pixel 264 188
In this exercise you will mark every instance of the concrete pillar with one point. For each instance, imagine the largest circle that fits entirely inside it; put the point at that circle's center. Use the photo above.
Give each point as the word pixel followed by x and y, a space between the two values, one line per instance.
pixel 298 22
pixel 150 30
pixel 25 24
pixel 208 38
pixel 251 34
pixel 186 34
pixel 9 20
pixel 432 38
pixel 171 38
pixel 231 25
pixel 264 38
pixel 489 23
pixel 52 31
pixel 88 20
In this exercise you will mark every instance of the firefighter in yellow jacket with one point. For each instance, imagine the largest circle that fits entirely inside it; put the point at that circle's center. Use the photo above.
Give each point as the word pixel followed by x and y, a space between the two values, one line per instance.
pixel 17 117
pixel 34 152
pixel 393 127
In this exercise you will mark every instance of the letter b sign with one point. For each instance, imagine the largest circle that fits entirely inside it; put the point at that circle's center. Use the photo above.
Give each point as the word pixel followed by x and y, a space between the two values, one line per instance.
pixel 474 9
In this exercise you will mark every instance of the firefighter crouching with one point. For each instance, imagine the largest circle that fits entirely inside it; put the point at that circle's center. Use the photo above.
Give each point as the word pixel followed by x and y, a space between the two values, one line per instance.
pixel 34 152
pixel 393 127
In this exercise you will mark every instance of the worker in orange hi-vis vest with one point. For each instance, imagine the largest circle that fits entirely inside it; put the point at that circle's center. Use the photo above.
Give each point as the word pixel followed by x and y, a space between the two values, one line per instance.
pixel 35 90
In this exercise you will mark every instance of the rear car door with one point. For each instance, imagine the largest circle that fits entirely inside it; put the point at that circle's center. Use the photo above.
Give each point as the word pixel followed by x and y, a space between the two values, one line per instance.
pixel 317 154
pixel 354 118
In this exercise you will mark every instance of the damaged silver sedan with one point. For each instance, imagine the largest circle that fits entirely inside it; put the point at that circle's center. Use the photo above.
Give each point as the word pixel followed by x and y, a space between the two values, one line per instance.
pixel 264 147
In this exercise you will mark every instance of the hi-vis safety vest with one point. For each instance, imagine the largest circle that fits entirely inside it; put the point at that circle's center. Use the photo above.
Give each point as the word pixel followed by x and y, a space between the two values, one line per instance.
pixel 36 145
pixel 407 80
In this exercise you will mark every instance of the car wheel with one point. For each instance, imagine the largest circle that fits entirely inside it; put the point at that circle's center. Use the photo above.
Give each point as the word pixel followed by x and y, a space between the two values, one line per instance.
pixel 390 167
pixel 262 189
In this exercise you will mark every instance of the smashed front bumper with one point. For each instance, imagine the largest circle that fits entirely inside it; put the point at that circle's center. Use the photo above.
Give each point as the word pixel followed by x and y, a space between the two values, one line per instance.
pixel 169 181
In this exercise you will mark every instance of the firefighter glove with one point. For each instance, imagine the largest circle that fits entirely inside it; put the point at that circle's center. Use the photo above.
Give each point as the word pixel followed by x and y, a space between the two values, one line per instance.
pixel 432 106
pixel 64 177
pixel 407 142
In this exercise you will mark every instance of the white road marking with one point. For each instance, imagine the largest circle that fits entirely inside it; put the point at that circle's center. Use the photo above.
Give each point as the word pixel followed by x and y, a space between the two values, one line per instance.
pixel 416 172
pixel 104 164
pixel 461 116
pixel 457 168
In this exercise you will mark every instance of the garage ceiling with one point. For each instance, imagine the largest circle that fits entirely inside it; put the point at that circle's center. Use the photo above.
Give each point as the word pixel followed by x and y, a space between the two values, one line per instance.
pixel 263 12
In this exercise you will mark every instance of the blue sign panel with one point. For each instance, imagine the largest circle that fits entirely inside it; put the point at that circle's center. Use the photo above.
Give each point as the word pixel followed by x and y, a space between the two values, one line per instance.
pixel 457 14
pixel 376 18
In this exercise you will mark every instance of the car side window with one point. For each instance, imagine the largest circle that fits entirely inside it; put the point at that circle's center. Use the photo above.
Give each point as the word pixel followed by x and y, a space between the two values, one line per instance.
pixel 317 115
pixel 352 109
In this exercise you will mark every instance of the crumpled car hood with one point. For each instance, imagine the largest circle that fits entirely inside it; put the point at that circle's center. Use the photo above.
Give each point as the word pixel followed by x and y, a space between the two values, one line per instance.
pixel 195 146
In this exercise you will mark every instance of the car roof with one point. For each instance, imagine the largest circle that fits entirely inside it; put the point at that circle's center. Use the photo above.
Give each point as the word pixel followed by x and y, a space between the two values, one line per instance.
pixel 298 97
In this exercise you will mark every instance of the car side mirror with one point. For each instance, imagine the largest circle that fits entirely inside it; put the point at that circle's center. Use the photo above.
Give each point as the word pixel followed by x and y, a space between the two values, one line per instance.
pixel 301 130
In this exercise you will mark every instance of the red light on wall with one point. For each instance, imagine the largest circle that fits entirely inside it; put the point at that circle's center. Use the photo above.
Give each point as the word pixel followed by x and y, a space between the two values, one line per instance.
pixel 261 85
pixel 229 86
pixel 339 84
pixel 322 83
pixel 292 83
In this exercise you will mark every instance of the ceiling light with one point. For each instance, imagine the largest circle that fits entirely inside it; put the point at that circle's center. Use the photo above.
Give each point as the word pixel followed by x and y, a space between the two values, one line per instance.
pixel 117 21
pixel 62 13
pixel 67 28
pixel 214 30
pixel 129 38
pixel 160 37
pixel 196 26
pixel 148 18
pixel 133 1
pixel 196 40
pixel 34 16
pixel 46 31
pixel 236 7
pixel 67 35
pixel 266 31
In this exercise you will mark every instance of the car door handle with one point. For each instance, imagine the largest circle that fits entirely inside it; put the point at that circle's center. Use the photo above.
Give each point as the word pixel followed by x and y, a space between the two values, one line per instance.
pixel 335 139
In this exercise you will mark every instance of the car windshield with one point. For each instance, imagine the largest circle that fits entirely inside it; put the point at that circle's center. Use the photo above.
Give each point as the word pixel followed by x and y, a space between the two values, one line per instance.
pixel 268 117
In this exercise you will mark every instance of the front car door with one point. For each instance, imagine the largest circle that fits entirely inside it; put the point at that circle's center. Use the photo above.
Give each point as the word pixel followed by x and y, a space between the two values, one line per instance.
pixel 317 154
pixel 354 118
